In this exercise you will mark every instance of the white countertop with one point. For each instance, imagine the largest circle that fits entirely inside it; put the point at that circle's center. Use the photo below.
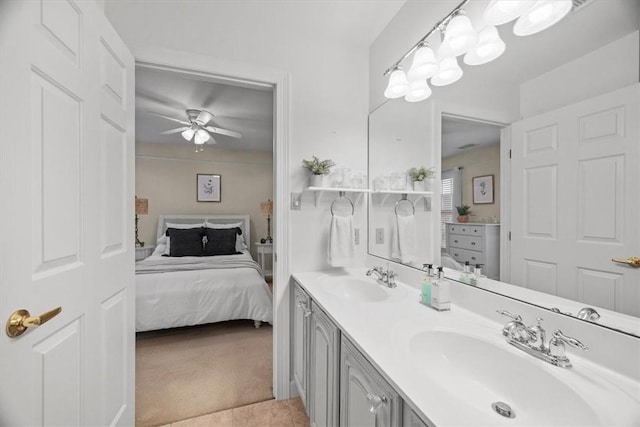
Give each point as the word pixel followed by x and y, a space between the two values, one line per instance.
pixel 382 332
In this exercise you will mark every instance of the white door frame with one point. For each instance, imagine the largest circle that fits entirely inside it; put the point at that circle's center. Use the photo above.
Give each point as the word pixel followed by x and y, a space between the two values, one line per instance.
pixel 251 74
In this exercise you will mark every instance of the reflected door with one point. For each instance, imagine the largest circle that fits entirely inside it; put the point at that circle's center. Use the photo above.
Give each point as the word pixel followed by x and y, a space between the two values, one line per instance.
pixel 575 205
pixel 66 215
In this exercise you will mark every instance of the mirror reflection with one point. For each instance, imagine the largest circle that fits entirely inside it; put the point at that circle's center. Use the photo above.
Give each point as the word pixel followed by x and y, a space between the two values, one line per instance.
pixel 548 221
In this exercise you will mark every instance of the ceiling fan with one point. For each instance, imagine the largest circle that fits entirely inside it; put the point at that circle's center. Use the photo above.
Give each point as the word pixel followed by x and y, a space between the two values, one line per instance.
pixel 196 127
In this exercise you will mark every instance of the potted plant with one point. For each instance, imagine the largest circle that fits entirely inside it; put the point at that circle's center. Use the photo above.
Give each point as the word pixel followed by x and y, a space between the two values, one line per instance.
pixel 418 176
pixel 318 168
pixel 463 213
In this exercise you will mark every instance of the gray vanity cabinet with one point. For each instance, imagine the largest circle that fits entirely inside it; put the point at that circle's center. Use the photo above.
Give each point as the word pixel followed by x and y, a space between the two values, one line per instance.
pixel 300 341
pixel 366 399
pixel 324 365
pixel 410 418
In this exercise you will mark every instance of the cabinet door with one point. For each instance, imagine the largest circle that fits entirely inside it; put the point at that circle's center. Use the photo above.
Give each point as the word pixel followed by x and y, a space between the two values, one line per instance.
pixel 366 399
pixel 324 364
pixel 410 418
pixel 300 336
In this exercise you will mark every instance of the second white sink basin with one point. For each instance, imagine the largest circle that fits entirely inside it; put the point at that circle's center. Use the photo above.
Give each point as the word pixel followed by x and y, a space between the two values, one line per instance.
pixel 354 288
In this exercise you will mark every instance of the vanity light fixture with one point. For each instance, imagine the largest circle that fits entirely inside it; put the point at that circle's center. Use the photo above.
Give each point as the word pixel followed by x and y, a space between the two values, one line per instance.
pixel 419 90
pixel 448 72
pixel 489 47
pixel 459 35
pixel 542 15
pixel 398 84
pixel 424 64
pixel 500 12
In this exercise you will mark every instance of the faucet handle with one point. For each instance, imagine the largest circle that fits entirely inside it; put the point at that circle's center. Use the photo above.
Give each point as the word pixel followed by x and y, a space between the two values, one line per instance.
pixel 558 335
pixel 515 317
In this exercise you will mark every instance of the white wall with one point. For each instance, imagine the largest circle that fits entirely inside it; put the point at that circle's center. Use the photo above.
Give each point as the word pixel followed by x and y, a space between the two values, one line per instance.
pixel 328 89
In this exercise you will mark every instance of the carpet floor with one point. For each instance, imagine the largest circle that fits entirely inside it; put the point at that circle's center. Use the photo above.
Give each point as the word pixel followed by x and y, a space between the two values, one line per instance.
pixel 185 372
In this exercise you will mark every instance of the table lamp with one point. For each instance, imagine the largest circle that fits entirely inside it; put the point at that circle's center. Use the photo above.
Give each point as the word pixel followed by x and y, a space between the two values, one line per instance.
pixel 266 208
pixel 142 208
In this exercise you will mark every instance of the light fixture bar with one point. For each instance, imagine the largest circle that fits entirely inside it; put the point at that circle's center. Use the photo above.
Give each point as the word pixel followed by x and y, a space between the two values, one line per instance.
pixel 423 40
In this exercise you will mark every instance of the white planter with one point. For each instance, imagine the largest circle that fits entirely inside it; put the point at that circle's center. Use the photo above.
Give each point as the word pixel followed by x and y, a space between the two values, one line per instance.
pixel 419 186
pixel 317 180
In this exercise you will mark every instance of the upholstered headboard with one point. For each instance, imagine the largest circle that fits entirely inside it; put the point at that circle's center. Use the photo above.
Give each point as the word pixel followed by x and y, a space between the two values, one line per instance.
pixel 200 219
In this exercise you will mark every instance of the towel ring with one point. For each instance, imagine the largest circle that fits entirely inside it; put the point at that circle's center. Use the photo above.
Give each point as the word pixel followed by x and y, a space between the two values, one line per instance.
pixel 404 199
pixel 341 196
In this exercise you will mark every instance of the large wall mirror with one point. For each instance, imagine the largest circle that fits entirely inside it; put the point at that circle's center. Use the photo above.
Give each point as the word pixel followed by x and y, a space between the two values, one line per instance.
pixel 547 221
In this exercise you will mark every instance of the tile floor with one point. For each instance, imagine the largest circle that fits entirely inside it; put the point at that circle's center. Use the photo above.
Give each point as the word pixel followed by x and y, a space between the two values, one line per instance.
pixel 271 413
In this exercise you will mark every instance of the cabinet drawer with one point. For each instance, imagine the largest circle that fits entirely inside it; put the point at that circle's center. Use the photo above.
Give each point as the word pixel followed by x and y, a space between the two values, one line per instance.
pixel 469 230
pixel 462 255
pixel 473 243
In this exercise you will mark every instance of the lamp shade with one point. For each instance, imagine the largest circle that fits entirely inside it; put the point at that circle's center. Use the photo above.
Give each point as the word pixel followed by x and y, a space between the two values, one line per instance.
pixel 448 72
pixel 142 206
pixel 398 85
pixel 266 208
pixel 418 91
pixel 459 36
pixel 489 47
pixel 500 12
pixel 188 134
pixel 424 64
pixel 202 136
pixel 541 16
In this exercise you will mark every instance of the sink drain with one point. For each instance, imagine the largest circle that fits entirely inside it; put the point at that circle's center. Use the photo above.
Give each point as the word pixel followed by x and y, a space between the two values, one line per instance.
pixel 503 409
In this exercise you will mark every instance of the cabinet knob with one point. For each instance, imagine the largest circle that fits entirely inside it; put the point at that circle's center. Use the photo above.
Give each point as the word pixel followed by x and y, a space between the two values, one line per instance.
pixel 375 402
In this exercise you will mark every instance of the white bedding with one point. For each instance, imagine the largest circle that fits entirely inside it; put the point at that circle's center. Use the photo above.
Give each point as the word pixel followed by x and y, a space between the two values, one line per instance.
pixel 197 296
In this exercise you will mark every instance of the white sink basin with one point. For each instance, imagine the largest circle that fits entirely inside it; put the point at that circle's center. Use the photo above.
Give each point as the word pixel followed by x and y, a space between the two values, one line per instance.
pixel 354 288
pixel 480 373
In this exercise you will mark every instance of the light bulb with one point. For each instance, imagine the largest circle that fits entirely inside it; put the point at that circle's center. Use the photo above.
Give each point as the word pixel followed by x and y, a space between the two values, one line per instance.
pixel 188 134
pixel 459 36
pixel 418 91
pixel 398 84
pixel 489 47
pixel 448 72
pixel 202 136
pixel 542 15
pixel 424 64
pixel 502 11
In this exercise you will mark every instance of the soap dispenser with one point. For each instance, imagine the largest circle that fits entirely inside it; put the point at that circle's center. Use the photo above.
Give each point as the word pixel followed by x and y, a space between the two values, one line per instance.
pixel 465 276
pixel 425 295
pixel 440 293
pixel 477 277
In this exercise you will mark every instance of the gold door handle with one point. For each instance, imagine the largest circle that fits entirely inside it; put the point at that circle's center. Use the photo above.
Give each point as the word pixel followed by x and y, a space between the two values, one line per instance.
pixel 633 261
pixel 20 320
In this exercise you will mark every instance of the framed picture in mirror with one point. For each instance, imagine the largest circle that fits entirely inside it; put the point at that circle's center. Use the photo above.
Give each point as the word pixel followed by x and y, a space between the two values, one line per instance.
pixel 483 189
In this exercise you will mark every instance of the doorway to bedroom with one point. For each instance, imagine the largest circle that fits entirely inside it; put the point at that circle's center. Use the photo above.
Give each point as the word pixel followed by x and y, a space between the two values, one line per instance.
pixel 204 170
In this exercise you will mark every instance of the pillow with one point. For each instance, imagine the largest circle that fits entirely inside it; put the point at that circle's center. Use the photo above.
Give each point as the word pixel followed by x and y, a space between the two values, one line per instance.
pixel 221 241
pixel 241 245
pixel 185 242
pixel 179 226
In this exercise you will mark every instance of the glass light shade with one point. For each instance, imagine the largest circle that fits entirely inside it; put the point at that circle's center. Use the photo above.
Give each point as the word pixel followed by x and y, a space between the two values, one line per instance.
pixel 424 64
pixel 459 37
pixel 202 136
pixel 418 91
pixel 448 72
pixel 188 134
pixel 502 11
pixel 489 47
pixel 541 16
pixel 398 85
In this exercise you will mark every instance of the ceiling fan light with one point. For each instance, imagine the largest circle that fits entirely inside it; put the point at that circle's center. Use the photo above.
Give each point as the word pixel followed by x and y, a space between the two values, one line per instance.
pixel 398 84
pixel 418 91
pixel 489 47
pixel 202 136
pixel 542 15
pixel 459 36
pixel 424 64
pixel 500 12
pixel 448 72
pixel 188 134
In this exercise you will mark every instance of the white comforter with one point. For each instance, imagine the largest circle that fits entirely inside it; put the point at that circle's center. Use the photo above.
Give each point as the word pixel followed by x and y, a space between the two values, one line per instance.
pixel 173 292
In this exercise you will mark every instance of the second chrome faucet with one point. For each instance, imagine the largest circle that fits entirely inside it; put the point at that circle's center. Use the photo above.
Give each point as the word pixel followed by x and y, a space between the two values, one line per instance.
pixel 386 278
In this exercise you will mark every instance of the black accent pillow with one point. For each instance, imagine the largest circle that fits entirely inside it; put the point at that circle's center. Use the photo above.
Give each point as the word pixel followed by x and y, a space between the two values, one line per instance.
pixel 221 241
pixel 187 242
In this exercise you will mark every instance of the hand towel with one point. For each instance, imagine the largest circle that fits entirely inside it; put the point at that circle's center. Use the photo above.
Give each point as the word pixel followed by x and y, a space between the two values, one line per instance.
pixel 403 238
pixel 341 241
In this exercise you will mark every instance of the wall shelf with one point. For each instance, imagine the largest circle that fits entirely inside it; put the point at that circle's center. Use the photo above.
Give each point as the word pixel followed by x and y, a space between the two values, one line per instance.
pixel 319 191
pixel 385 194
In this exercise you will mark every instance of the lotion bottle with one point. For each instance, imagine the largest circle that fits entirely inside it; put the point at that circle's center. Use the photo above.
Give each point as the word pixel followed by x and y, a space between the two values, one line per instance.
pixel 440 293
pixel 476 279
pixel 465 276
pixel 425 296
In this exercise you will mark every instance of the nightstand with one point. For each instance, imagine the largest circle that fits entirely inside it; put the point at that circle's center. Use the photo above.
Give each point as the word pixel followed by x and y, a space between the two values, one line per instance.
pixel 264 250
pixel 143 252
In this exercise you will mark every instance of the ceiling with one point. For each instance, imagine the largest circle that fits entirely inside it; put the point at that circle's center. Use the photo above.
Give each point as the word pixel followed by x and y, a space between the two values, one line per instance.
pixel 458 134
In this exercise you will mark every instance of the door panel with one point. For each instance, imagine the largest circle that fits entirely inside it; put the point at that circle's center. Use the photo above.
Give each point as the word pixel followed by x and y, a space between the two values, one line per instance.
pixel 66 215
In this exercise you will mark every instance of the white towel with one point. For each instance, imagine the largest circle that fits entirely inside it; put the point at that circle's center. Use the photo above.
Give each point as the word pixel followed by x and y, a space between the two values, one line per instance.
pixel 341 241
pixel 403 238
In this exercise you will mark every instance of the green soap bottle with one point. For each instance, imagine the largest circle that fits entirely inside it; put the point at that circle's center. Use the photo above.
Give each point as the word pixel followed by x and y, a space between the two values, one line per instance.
pixel 426 285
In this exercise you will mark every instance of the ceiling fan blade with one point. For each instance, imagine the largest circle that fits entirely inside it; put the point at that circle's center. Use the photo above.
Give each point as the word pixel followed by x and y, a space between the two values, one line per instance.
pixel 221 131
pixel 204 117
pixel 211 141
pixel 172 131
pixel 182 122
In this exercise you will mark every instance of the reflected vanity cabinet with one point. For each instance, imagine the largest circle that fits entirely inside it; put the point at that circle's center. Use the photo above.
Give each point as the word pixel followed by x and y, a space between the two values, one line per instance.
pixel 301 311
pixel 477 243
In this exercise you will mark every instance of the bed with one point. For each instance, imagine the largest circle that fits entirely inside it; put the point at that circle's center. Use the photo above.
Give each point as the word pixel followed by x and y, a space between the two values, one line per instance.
pixel 175 291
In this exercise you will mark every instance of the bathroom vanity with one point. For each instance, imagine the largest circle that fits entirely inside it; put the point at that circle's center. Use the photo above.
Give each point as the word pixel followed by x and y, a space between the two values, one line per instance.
pixel 368 355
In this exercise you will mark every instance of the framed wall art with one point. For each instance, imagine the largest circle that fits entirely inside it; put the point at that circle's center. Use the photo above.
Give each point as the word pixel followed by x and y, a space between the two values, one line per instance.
pixel 483 189
pixel 208 187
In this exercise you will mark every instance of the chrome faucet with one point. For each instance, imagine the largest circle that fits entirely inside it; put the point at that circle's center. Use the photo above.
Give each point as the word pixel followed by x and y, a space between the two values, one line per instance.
pixel 532 340
pixel 386 278
pixel 588 313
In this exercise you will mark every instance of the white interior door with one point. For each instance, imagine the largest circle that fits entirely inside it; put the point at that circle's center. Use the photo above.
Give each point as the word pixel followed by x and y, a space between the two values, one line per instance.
pixel 66 215
pixel 574 201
